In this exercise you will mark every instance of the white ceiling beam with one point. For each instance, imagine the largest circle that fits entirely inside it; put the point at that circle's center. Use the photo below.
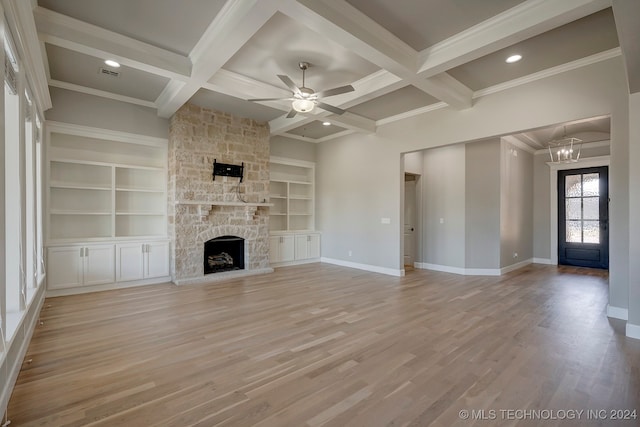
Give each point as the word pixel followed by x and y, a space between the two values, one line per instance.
pixel 526 20
pixel 100 93
pixel 69 33
pixel 234 25
pixel 239 86
pixel 347 26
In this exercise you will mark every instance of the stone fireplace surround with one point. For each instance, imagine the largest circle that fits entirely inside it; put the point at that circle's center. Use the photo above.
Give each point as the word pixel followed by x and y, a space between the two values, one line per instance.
pixel 199 208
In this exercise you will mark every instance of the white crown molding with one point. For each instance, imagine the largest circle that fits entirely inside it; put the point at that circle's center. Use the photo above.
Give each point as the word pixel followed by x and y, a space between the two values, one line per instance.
pixel 100 133
pixel 523 21
pixel 299 137
pixel 25 36
pixel 549 72
pixel 101 93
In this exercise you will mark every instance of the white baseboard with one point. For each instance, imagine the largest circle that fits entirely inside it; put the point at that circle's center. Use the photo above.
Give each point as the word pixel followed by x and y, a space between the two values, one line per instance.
pixel 617 312
pixel 633 331
pixel 225 275
pixel 366 267
pixel 516 266
pixel 546 261
pixel 472 271
pixel 107 287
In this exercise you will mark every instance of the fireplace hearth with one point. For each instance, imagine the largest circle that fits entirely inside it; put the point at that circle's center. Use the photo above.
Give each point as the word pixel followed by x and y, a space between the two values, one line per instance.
pixel 225 253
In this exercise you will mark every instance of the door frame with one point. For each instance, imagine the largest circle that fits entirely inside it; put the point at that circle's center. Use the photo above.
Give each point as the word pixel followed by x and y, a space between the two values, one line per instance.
pixel 587 162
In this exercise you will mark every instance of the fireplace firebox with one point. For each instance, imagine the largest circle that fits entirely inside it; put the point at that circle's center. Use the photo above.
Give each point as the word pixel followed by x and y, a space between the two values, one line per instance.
pixel 225 253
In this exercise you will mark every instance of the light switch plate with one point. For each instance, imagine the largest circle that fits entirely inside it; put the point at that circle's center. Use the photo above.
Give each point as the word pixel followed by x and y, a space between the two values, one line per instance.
pixel 385 220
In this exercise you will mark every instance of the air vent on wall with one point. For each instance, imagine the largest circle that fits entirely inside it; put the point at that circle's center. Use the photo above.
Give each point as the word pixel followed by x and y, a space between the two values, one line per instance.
pixel 108 72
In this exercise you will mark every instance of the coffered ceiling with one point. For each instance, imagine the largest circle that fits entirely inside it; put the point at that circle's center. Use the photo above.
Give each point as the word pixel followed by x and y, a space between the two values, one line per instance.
pixel 402 57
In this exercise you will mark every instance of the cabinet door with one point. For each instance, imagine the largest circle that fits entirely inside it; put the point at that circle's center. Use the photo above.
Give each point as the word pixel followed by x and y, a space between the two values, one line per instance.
pixel 157 259
pixel 302 246
pixel 274 249
pixel 99 264
pixel 64 267
pixel 129 262
pixel 313 248
pixel 287 248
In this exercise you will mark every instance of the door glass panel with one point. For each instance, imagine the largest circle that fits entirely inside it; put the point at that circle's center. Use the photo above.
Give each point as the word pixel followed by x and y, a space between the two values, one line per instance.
pixel 574 231
pixel 591 232
pixel 573 186
pixel 574 208
pixel 591 208
pixel 591 184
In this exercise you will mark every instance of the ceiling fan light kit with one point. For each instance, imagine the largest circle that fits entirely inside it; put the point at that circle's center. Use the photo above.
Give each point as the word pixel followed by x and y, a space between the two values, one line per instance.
pixel 304 99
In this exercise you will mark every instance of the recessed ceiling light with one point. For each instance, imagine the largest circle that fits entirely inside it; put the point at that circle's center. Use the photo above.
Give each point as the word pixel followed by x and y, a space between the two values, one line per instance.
pixel 513 58
pixel 112 63
pixel 326 123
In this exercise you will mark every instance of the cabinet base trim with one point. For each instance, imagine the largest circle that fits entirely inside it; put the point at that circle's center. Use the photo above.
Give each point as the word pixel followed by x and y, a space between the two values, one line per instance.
pixel 227 275
pixel 107 287
pixel 295 262
pixel 367 267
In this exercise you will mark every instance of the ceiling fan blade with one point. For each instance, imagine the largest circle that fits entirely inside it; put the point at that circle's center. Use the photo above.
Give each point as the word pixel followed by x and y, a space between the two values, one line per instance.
pixel 290 84
pixel 292 113
pixel 330 108
pixel 335 91
pixel 270 99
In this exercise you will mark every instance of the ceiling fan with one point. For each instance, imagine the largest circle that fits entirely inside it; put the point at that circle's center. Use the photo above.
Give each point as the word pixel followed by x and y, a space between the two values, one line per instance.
pixel 304 99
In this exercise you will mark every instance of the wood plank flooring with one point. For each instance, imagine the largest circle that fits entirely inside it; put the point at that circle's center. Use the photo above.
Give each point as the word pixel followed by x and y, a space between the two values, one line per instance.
pixel 322 345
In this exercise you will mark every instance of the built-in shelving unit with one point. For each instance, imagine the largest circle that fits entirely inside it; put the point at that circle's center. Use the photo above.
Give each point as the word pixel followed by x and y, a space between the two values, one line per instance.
pixel 107 187
pixel 291 219
pixel 292 194
pixel 104 188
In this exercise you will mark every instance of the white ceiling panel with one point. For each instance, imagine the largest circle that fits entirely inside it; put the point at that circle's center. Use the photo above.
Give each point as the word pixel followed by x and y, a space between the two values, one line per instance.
pixel 169 24
pixel 282 43
pixel 421 24
pixel 316 130
pixel 237 107
pixel 587 36
pixel 83 70
pixel 399 101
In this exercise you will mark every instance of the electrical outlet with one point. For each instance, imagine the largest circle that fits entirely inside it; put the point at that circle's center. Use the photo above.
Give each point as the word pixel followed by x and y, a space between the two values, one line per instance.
pixel 441 220
pixel 350 253
pixel 515 254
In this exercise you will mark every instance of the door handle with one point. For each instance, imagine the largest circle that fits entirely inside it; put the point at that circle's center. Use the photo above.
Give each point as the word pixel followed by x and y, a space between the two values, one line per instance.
pixel 411 228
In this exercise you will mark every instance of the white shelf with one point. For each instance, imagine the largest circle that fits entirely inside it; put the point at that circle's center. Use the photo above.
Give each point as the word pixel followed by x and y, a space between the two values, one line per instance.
pixel 102 185
pixel 293 182
pixel 139 190
pixel 209 203
pixel 63 212
pixel 79 186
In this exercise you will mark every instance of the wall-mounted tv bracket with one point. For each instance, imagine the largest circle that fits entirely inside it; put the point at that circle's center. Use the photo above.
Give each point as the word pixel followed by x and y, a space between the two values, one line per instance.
pixel 224 169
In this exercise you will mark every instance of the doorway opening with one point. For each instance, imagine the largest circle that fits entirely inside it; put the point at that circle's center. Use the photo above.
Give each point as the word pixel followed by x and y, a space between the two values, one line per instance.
pixel 410 220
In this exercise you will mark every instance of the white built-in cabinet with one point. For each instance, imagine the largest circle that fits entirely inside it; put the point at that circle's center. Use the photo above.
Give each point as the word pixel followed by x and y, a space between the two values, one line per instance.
pixel 307 246
pixel 75 266
pixel 293 237
pixel 281 248
pixel 107 187
pixel 136 261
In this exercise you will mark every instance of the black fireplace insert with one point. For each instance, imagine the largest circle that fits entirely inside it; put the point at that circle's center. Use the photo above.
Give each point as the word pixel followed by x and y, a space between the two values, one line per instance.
pixel 225 253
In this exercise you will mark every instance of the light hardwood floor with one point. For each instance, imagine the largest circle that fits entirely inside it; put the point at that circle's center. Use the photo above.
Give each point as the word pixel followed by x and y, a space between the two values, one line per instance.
pixel 318 345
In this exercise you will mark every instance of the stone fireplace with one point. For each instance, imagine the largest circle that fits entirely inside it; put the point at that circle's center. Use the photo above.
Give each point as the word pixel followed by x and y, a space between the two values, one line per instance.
pixel 201 209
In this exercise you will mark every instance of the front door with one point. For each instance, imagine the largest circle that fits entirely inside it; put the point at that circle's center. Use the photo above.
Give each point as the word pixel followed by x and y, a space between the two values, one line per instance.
pixel 583 217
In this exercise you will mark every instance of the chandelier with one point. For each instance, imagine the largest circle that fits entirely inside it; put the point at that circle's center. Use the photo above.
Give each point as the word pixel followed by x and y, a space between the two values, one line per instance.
pixel 565 150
